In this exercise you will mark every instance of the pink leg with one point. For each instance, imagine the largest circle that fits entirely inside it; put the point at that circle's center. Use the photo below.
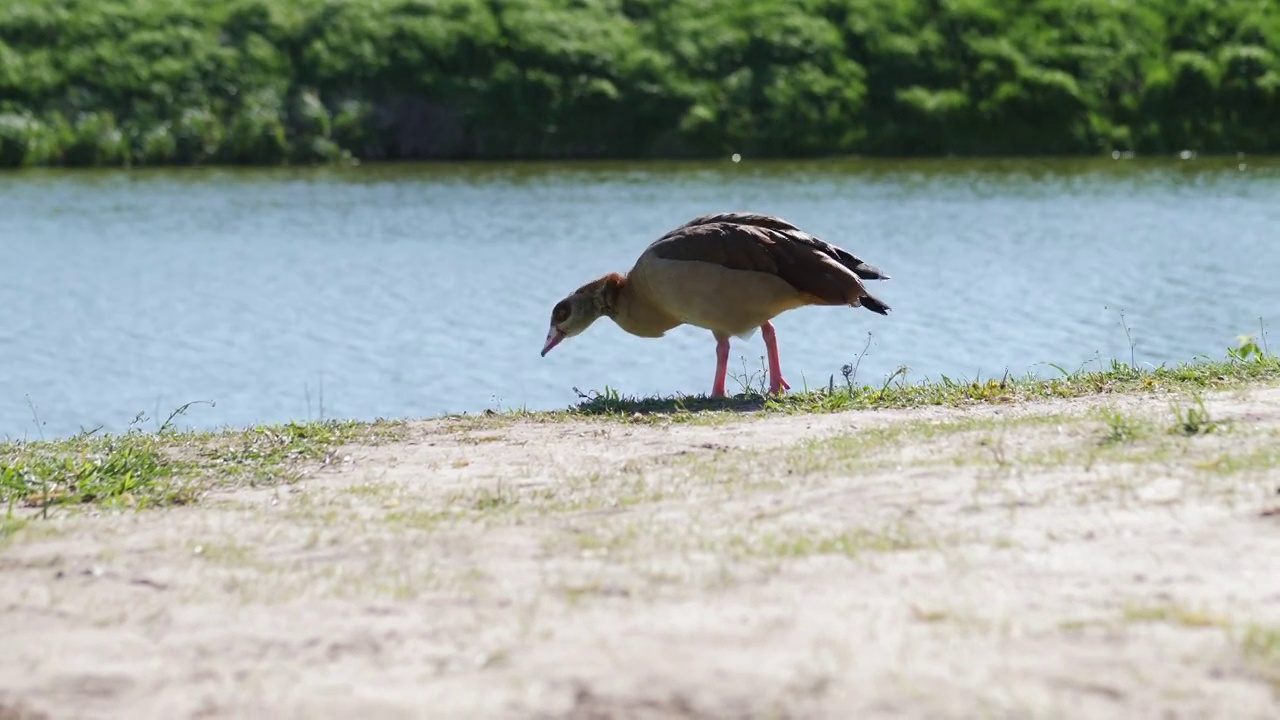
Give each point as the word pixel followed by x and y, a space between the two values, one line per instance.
pixel 722 366
pixel 776 383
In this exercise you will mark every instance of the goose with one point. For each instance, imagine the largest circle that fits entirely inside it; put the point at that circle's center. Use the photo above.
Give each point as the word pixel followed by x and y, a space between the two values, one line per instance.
pixel 729 273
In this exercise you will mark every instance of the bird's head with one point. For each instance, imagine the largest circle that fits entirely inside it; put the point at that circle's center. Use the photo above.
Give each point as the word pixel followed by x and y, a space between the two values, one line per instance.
pixel 574 314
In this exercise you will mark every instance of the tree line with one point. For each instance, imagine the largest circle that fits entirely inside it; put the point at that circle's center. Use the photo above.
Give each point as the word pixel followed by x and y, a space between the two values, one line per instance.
pixel 174 82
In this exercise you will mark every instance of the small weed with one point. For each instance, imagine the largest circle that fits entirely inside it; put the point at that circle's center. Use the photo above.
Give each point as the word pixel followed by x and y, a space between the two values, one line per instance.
pixel 576 594
pixel 9 526
pixel 479 439
pixel 930 616
pixel 851 543
pixel 1262 459
pixel 1174 615
pixel 996 448
pixel 1251 349
pixel 1120 428
pixel 1076 625
pixel 231 554
pixel 493 499
pixel 1193 419
pixel 606 544
pixel 426 520
pixel 752 382
pixel 1261 646
pixel 1133 345
pixel 372 490
pixel 850 371
pixel 1263 643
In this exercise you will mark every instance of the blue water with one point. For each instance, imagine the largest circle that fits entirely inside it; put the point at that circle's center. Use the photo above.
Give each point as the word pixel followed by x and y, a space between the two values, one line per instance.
pixel 410 291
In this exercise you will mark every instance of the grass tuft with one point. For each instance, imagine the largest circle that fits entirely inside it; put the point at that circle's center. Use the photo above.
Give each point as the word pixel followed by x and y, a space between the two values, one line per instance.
pixel 1263 642
pixel 850 543
pixel 131 469
pixel 139 469
pixel 9 526
pixel 1121 429
pixel 1261 647
pixel 1174 615
pixel 1193 419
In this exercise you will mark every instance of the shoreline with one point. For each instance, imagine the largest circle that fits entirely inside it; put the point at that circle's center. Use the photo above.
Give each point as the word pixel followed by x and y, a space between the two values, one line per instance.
pixel 783 165
pixel 139 468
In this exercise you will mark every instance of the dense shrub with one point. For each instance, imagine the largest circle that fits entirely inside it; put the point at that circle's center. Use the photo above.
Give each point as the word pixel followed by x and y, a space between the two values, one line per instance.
pixel 109 82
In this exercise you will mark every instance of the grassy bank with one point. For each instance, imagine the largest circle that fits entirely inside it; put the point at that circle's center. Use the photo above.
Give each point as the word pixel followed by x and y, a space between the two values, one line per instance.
pixel 123 82
pixel 141 469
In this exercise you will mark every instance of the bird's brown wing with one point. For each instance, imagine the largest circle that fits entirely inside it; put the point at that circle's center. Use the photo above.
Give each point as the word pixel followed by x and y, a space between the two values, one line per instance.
pixel 813 267
pixel 863 269
pixel 740 218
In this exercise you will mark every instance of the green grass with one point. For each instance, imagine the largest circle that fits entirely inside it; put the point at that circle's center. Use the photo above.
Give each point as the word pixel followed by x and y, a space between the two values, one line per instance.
pixel 1174 615
pixel 168 82
pixel 1191 378
pixel 1263 642
pixel 9 526
pixel 1193 419
pixel 1261 647
pixel 1121 429
pixel 137 469
pixel 140 469
pixel 850 543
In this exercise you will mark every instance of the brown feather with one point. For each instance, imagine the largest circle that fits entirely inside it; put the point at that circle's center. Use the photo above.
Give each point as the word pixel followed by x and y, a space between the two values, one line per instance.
pixel 758 243
pixel 604 291
pixel 740 218
pixel 857 265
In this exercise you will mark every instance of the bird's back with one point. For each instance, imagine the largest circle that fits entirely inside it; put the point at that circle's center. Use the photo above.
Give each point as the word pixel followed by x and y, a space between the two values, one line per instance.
pixel 733 271
pixel 782 232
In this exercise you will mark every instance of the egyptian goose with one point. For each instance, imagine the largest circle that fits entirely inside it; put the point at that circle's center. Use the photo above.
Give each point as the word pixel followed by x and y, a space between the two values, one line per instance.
pixel 729 273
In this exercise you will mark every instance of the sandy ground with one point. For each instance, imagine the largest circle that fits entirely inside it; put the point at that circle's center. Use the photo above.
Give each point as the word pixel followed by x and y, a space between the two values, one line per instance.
pixel 982 562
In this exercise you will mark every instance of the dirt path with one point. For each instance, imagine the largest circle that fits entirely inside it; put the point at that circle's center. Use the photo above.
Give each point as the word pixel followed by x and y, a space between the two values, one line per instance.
pixel 1070 559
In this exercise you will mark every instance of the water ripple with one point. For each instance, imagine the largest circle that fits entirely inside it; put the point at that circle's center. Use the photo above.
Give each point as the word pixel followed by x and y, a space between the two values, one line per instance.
pixel 412 291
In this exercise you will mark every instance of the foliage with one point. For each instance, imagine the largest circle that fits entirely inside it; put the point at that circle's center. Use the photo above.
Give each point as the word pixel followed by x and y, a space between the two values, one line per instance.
pixel 117 82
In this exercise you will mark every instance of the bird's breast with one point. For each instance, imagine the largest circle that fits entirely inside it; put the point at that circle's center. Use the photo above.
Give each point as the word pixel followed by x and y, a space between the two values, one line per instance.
pixel 712 296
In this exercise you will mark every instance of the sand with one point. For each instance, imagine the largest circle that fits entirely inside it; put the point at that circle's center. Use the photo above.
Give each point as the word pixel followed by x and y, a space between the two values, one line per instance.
pixel 1038 560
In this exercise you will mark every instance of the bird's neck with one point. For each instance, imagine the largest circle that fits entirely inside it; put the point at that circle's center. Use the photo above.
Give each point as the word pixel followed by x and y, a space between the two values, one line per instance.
pixel 605 292
pixel 632 310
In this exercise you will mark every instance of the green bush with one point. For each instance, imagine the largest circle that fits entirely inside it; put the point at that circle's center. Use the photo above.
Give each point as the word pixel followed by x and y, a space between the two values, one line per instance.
pixel 117 82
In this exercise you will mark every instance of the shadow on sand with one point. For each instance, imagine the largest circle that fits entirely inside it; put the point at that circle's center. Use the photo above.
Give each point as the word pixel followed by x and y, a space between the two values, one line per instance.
pixel 609 402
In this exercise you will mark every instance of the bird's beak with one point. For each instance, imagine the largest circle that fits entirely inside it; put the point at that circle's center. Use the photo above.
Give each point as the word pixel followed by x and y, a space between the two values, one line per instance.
pixel 554 336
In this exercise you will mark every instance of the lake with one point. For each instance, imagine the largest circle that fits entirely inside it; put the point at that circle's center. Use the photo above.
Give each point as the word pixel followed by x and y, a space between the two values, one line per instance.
pixel 418 290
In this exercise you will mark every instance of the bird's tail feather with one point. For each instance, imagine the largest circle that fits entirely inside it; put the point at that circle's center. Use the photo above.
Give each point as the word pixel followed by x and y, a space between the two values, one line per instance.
pixel 869 272
pixel 874 304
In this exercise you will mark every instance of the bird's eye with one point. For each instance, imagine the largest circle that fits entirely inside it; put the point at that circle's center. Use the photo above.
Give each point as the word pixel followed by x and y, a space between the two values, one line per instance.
pixel 561 312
